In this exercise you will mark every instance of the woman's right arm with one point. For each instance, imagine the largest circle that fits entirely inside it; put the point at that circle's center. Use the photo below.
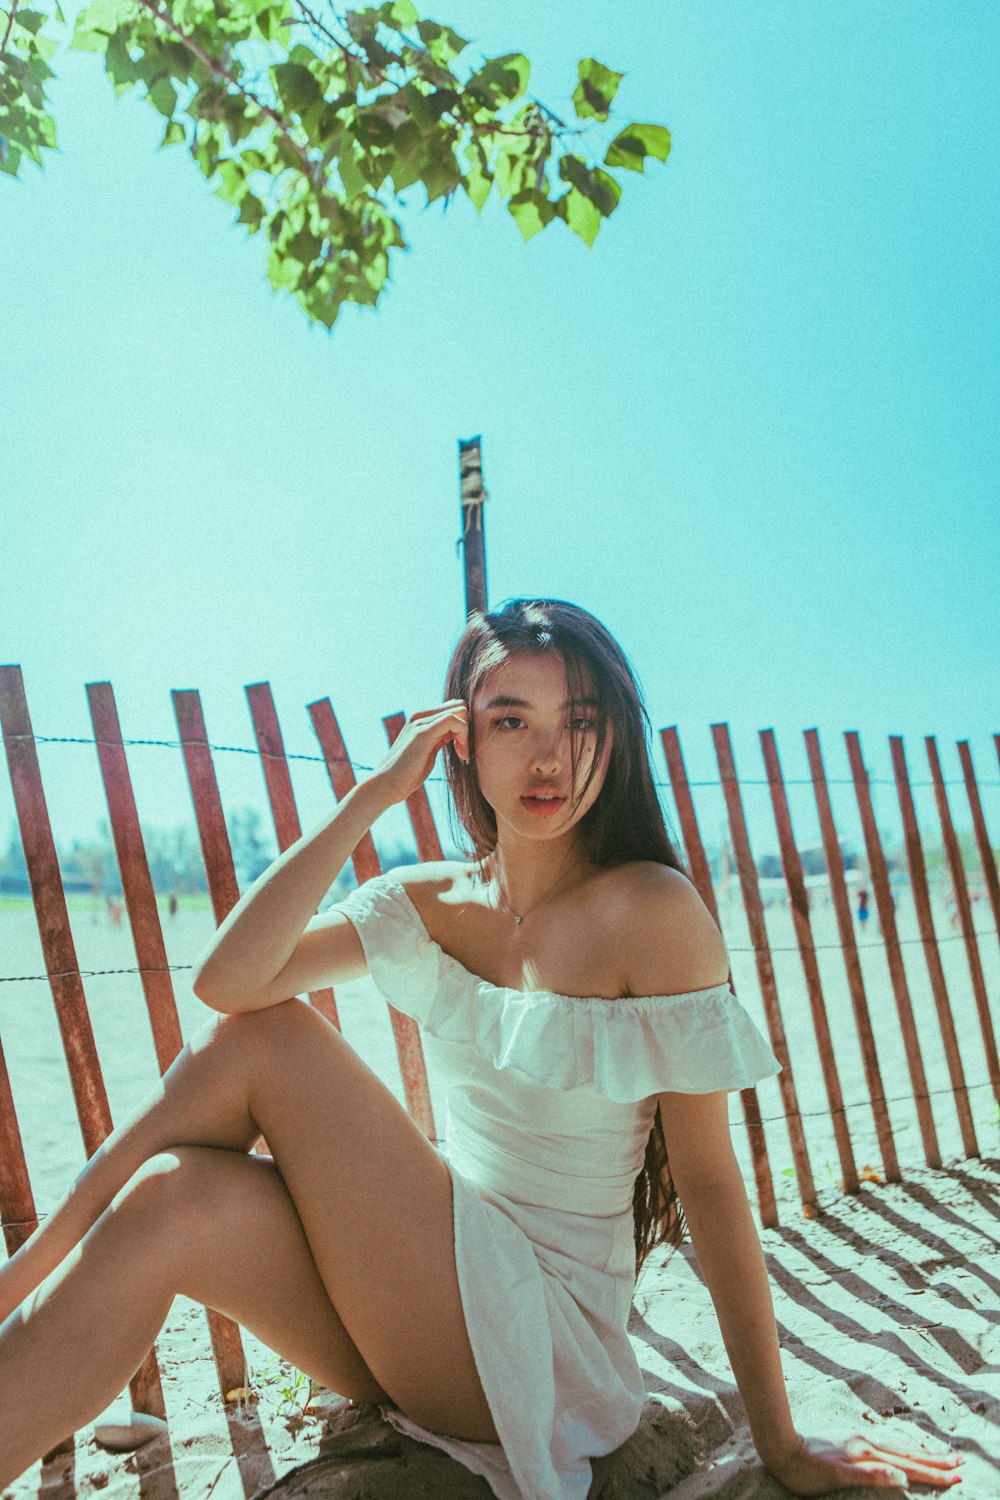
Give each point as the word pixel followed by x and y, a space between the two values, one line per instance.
pixel 272 946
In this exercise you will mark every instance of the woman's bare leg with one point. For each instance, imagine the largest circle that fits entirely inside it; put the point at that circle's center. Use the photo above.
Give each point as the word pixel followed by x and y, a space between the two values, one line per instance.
pixel 218 1226
pixel 195 1103
pixel 371 1195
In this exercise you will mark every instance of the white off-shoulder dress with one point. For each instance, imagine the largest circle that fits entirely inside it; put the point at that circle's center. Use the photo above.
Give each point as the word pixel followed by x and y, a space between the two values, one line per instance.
pixel 550 1101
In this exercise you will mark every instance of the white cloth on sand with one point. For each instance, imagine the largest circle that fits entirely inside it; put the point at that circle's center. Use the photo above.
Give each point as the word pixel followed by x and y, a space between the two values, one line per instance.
pixel 551 1100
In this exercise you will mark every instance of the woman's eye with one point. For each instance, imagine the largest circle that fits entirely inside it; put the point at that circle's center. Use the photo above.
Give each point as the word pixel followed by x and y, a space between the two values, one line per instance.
pixel 582 724
pixel 510 719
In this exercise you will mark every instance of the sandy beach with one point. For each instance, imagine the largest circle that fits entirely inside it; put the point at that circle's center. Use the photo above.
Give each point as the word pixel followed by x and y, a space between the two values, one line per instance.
pixel 887 1302
pixel 888 1309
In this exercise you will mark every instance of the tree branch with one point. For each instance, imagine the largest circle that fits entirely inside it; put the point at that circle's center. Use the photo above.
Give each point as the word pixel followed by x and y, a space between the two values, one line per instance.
pixel 10 27
pixel 221 72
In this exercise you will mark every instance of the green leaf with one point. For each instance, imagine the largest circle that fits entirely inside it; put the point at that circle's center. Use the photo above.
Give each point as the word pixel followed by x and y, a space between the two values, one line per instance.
pixel 635 143
pixel 251 213
pixel 296 85
pixel 441 173
pixel 478 180
pixel 31 20
pixel 10 157
pixel 349 163
pixel 173 134
pixel 442 43
pixel 513 173
pixel 234 185
pixel 600 187
pixel 500 78
pixel 580 215
pixel 531 211
pixel 97 22
pixel 401 13
pixel 282 273
pixel 118 64
pixel 163 96
pixel 595 92
pixel 305 246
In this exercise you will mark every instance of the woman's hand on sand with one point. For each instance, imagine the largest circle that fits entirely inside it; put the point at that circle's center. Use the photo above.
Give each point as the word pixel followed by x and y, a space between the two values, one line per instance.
pixel 409 762
pixel 817 1466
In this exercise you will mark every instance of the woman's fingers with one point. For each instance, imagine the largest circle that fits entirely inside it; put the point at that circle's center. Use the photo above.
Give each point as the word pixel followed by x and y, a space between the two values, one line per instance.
pixel 413 752
pixel 881 1461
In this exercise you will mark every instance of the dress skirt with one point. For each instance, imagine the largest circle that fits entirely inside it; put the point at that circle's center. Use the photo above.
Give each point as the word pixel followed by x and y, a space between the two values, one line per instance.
pixel 546 1295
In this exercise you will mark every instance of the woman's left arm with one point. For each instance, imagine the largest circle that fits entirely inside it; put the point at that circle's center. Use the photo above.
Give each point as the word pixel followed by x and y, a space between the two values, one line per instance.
pixel 725 1241
pixel 672 945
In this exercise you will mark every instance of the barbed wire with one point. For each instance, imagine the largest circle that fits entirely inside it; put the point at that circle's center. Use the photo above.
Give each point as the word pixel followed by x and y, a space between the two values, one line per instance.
pixel 944 937
pixel 734 1120
pixel 322 760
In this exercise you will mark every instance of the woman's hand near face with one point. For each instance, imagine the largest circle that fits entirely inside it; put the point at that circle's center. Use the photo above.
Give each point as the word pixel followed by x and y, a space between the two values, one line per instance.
pixel 409 762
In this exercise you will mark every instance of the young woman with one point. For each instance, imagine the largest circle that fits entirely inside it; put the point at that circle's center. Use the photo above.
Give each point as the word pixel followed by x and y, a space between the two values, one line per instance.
pixel 572 991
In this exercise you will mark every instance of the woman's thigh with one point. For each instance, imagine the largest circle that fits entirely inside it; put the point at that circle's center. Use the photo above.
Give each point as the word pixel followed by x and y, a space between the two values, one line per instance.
pixel 374 1199
pixel 240 1248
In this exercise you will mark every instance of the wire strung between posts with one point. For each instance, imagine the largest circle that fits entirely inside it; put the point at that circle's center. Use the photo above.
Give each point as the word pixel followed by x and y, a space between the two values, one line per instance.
pixel 322 760
pixel 945 937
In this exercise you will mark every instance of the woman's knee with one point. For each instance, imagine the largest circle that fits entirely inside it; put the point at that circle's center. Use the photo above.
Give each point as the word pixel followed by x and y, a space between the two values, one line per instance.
pixel 169 1201
pixel 246 1031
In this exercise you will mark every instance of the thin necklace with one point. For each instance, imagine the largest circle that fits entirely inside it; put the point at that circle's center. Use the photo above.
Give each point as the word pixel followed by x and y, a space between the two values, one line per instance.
pixel 520 916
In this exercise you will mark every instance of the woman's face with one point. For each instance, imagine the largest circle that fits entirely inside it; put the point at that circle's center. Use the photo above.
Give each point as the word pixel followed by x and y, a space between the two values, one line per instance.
pixel 524 724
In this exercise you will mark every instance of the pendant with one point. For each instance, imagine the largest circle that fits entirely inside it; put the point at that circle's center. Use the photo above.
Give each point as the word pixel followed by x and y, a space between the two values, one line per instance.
pixel 517 920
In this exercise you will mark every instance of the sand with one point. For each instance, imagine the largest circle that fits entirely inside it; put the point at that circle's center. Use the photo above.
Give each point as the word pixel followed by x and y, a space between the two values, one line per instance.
pixel 888 1303
pixel 888 1309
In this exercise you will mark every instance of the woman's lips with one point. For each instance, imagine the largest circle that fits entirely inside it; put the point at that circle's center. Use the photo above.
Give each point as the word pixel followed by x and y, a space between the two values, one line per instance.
pixel 543 806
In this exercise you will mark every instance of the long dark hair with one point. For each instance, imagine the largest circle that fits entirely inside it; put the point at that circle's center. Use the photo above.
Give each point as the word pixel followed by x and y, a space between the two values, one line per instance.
pixel 625 823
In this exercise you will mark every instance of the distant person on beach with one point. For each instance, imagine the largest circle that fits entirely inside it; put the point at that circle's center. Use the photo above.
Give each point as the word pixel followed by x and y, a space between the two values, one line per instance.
pixel 172 904
pixel 862 907
pixel 572 993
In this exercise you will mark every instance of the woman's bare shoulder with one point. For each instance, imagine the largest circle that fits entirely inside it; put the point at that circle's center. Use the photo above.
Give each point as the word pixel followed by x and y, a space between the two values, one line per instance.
pixel 431 872
pixel 670 941
pixel 433 881
pixel 646 880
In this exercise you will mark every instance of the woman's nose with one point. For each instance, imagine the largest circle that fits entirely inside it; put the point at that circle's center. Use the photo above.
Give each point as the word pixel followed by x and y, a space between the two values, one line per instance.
pixel 547 754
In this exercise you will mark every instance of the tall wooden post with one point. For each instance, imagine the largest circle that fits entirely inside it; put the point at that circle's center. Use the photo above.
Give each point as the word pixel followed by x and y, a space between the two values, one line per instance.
pixel 473 539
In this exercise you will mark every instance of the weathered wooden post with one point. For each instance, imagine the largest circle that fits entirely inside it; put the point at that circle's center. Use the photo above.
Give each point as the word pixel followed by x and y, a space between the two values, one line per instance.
pixel 473 538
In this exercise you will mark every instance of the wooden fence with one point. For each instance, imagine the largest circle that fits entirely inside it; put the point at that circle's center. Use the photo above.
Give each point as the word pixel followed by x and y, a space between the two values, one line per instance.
pixel 17 1208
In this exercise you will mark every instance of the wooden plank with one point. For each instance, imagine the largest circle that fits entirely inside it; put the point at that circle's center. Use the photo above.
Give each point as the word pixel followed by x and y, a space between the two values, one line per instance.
pixel 792 866
pixel 341 773
pixel 693 847
pixel 885 906
pixel 473 538
pixel 702 878
pixel 281 799
pixel 89 1094
pixel 147 936
pixel 406 1033
pixel 133 866
pixel 753 905
pixel 418 805
pixel 224 893
pixel 86 1079
pixel 928 936
pixel 852 961
pixel 17 1205
pixel 953 854
pixel 986 856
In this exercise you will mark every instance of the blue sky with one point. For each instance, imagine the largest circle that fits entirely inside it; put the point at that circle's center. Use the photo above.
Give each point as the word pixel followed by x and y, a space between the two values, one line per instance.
pixel 753 429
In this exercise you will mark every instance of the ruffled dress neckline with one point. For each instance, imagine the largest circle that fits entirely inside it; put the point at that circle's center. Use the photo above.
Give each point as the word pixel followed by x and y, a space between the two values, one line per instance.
pixel 449 961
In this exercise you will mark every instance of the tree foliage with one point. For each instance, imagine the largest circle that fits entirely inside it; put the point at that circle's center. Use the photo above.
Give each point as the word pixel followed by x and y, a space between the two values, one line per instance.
pixel 313 122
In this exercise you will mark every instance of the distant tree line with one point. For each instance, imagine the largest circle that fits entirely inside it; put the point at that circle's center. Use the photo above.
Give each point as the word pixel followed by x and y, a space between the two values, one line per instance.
pixel 175 862
pixel 174 856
